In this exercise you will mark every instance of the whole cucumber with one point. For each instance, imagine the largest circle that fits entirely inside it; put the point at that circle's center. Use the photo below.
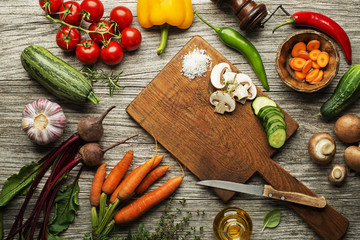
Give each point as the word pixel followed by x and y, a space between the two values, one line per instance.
pixel 57 76
pixel 347 92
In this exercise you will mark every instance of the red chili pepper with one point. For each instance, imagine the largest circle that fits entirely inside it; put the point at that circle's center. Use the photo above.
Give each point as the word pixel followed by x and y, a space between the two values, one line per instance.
pixel 324 24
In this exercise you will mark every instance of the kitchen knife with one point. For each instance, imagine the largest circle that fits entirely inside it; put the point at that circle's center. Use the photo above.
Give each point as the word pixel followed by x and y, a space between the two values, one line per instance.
pixel 267 191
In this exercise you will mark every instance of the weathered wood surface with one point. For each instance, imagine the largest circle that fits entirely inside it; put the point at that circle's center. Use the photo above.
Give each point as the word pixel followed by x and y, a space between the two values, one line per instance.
pixel 23 23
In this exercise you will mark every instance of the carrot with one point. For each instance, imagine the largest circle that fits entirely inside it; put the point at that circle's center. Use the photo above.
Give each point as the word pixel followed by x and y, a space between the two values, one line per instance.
pixel 323 59
pixel 151 178
pixel 297 47
pixel 312 75
pixel 303 54
pixel 114 195
pixel 95 191
pixel 137 208
pixel 297 64
pixel 132 181
pixel 307 66
pixel 318 78
pixel 315 65
pixel 117 173
pixel 312 45
pixel 300 75
pixel 314 54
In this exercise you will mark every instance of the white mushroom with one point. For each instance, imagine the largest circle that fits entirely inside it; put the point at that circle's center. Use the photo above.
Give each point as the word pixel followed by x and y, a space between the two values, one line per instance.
pixel 252 92
pixel 240 94
pixel 217 75
pixel 223 102
pixel 229 77
pixel 243 79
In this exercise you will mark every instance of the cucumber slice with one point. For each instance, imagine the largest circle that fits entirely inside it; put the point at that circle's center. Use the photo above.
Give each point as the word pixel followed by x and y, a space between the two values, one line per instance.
pixel 270 125
pixel 277 136
pixel 268 109
pixel 272 116
pixel 260 102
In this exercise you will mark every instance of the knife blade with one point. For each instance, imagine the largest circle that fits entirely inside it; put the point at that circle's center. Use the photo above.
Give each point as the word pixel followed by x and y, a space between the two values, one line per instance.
pixel 267 191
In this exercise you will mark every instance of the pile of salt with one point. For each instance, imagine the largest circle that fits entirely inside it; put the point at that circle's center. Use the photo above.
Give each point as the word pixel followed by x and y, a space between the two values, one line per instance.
pixel 195 63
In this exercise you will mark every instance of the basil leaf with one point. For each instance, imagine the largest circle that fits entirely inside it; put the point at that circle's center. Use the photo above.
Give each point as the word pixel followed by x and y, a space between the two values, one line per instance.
pixel 54 237
pixel 272 219
pixel 19 183
pixel 66 206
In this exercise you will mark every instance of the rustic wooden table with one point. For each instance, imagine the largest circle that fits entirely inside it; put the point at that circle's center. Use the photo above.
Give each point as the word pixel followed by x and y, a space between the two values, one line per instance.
pixel 23 23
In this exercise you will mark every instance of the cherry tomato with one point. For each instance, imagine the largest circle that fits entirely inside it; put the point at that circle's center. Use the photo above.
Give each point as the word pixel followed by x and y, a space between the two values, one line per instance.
pixel 130 38
pixel 102 26
pixel 67 39
pixel 50 6
pixel 87 52
pixel 111 53
pixel 70 12
pixel 94 9
pixel 122 16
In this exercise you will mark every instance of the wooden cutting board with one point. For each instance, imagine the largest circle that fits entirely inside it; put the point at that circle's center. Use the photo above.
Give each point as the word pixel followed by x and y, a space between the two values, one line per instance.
pixel 177 112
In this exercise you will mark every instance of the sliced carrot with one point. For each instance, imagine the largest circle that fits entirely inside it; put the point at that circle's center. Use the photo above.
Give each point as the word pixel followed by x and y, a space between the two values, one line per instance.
pixel 303 54
pixel 297 64
pixel 300 75
pixel 312 45
pixel 314 54
pixel 117 173
pixel 312 75
pixel 315 65
pixel 323 59
pixel 95 191
pixel 318 78
pixel 151 178
pixel 137 208
pixel 307 66
pixel 297 47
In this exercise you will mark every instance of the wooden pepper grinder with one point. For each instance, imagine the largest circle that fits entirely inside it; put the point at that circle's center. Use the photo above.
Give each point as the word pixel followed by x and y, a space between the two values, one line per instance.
pixel 248 12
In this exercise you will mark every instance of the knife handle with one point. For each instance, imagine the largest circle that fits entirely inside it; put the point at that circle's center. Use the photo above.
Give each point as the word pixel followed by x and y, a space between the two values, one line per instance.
pixel 295 197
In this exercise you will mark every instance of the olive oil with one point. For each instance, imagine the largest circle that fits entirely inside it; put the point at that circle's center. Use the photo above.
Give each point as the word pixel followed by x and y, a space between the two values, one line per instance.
pixel 232 223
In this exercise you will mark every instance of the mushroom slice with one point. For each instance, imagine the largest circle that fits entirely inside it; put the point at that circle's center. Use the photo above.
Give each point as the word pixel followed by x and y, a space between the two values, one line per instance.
pixel 217 73
pixel 229 77
pixel 252 92
pixel 243 79
pixel 222 101
pixel 240 94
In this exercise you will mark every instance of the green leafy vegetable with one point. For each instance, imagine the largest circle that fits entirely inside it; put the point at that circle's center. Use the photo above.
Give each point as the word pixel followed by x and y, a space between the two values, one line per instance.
pixel 54 237
pixel 19 183
pixel 66 206
pixel 272 219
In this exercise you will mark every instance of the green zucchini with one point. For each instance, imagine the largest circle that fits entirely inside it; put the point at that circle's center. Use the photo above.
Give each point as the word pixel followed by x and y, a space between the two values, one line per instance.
pixel 57 76
pixel 260 102
pixel 347 91
pixel 277 136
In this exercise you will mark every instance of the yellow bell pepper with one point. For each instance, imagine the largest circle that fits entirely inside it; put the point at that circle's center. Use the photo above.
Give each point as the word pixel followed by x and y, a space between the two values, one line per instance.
pixel 165 13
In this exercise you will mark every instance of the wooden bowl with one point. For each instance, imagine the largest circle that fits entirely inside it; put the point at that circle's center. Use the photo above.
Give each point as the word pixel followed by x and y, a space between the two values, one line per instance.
pixel 284 55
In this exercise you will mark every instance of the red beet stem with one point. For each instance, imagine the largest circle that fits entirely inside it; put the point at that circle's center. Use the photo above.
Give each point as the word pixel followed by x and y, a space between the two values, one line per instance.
pixel 101 118
pixel 116 144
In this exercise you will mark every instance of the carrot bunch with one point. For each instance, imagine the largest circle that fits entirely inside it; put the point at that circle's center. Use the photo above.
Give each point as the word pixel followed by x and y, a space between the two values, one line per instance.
pixel 308 61
pixel 120 190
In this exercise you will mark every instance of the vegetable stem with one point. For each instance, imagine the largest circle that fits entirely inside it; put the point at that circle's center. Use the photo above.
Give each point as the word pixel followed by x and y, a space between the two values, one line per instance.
pixel 217 29
pixel 290 21
pixel 163 40
pixel 103 206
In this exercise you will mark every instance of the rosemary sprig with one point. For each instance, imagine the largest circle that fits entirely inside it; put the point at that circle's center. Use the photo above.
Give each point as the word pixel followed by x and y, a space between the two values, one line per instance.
pixel 110 80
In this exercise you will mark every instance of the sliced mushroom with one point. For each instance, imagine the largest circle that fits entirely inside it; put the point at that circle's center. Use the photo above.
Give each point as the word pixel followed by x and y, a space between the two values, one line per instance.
pixel 229 77
pixel 217 75
pixel 243 79
pixel 240 94
pixel 223 102
pixel 252 91
pixel 321 148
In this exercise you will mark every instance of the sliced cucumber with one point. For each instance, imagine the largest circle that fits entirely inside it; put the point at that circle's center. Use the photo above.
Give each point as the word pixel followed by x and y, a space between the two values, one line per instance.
pixel 272 116
pixel 277 136
pixel 270 125
pixel 260 102
pixel 268 110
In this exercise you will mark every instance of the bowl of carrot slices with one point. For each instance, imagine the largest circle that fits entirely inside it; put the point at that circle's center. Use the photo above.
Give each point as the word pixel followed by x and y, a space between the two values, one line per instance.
pixel 307 61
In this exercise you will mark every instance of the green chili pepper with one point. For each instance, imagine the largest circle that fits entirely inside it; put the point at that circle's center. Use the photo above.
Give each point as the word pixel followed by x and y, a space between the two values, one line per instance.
pixel 235 40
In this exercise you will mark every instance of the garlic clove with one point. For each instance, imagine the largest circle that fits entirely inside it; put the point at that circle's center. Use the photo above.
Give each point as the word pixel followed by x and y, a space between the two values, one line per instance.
pixel 43 121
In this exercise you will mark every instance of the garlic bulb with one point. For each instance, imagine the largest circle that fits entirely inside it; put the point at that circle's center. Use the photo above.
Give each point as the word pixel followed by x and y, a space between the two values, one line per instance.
pixel 43 121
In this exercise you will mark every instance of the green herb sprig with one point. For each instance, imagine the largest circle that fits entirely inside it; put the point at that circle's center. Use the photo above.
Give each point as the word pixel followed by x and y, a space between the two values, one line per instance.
pixel 111 79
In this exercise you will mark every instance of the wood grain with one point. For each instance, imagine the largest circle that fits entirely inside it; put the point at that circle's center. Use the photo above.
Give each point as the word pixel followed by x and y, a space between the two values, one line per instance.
pixel 23 23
